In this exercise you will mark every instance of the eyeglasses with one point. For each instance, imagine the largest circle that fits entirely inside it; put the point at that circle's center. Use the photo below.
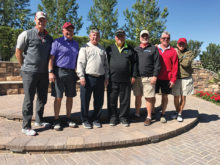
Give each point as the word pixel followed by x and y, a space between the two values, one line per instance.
pixel 166 38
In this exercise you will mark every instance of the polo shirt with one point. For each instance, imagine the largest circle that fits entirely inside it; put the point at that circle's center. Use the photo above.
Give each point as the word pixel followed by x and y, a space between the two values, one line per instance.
pixel 65 52
pixel 36 50
pixel 148 61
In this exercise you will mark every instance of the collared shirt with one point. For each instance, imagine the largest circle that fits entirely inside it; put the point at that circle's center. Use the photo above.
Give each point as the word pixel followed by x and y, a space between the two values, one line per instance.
pixel 120 49
pixel 162 50
pixel 92 60
pixel 65 52
pixel 36 50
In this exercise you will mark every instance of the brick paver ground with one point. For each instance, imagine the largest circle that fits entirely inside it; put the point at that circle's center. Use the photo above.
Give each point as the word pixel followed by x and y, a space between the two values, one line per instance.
pixel 200 145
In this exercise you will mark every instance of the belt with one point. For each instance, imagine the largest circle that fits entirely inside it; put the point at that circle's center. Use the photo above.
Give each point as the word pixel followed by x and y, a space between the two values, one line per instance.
pixel 66 69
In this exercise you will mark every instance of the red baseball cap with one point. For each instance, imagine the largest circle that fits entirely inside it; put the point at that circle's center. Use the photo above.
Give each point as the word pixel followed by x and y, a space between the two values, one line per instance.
pixel 67 24
pixel 182 40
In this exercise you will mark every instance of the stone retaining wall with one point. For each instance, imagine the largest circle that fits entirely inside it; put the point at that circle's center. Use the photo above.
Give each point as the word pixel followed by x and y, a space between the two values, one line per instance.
pixel 10 80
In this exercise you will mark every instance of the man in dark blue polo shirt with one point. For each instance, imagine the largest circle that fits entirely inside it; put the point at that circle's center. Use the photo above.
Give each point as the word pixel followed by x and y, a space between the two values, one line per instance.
pixel 62 64
pixel 32 52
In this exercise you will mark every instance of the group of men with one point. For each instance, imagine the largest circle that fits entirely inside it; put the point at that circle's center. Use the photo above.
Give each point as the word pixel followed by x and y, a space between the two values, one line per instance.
pixel 119 67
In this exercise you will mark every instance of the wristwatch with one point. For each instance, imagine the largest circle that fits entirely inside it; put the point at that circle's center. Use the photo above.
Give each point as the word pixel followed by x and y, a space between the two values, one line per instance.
pixel 50 71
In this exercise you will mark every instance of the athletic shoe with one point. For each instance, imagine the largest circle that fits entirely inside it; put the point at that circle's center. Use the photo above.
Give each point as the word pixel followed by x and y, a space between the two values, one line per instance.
pixel 179 118
pixel 125 122
pixel 163 119
pixel 147 122
pixel 29 132
pixel 71 123
pixel 57 126
pixel 113 122
pixel 97 124
pixel 87 125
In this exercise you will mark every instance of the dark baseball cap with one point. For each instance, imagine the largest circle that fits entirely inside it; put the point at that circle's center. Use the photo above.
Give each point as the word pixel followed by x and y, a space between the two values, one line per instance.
pixel 119 31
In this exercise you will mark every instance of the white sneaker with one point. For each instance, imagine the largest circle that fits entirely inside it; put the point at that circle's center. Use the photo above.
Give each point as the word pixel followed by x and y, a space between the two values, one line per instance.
pixel 179 118
pixel 29 132
pixel 97 124
pixel 42 124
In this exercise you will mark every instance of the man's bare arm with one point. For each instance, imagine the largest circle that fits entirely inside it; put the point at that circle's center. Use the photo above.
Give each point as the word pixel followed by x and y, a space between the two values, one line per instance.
pixel 18 54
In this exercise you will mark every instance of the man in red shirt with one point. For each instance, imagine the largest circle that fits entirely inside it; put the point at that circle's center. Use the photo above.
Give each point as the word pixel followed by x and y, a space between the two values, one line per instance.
pixel 168 73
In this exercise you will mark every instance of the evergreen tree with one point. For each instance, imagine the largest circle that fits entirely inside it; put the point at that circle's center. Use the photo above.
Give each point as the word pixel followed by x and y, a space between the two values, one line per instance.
pixel 145 15
pixel 103 17
pixel 15 14
pixel 210 58
pixel 59 12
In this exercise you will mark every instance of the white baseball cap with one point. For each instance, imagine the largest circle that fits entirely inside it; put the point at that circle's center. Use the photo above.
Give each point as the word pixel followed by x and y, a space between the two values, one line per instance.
pixel 41 14
pixel 144 32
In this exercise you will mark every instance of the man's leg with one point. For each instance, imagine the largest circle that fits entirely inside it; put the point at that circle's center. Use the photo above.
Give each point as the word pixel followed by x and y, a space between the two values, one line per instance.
pixel 29 85
pixel 42 91
pixel 125 94
pixel 113 102
pixel 138 103
pixel 164 103
pixel 149 106
pixel 69 104
pixel 182 104
pixel 98 95
pixel 57 105
pixel 177 103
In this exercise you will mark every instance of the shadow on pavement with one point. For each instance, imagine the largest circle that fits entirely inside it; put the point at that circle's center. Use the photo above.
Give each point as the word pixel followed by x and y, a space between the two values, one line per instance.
pixel 206 118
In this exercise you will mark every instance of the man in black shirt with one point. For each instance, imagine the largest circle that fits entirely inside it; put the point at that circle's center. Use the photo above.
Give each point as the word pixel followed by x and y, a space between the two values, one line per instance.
pixel 123 70
pixel 148 70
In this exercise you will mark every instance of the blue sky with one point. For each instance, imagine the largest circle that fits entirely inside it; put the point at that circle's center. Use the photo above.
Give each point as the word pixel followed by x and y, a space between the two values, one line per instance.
pixel 192 19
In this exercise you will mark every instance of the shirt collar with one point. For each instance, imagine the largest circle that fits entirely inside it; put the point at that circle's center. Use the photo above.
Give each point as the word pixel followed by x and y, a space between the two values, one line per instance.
pixel 65 39
pixel 162 50
pixel 36 30
pixel 123 47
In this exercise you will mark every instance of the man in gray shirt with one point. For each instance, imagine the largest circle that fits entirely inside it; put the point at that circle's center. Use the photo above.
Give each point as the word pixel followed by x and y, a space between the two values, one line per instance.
pixel 92 69
pixel 32 52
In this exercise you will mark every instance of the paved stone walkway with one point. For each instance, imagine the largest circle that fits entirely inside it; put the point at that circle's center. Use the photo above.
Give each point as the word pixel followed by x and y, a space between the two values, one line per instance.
pixel 74 139
pixel 200 145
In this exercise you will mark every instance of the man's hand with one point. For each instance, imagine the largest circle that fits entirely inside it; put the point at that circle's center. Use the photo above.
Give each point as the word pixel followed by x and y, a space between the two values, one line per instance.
pixel 153 80
pixel 83 81
pixel 52 77
pixel 171 84
pixel 106 83
pixel 132 80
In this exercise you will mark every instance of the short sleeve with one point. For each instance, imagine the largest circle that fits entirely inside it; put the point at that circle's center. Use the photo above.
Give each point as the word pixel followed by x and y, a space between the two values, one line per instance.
pixel 22 41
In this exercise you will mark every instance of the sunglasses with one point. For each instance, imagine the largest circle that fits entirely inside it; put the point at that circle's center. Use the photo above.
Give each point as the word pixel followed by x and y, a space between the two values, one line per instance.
pixel 166 38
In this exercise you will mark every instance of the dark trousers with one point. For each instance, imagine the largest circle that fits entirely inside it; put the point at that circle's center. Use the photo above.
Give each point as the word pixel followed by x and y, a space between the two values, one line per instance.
pixel 93 85
pixel 123 91
pixel 32 83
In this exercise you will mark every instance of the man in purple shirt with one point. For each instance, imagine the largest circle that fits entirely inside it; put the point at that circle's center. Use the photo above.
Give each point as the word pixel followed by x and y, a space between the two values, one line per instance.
pixel 62 64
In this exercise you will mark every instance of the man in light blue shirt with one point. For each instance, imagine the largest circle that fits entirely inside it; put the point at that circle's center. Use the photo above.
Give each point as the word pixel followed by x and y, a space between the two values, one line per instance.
pixel 62 64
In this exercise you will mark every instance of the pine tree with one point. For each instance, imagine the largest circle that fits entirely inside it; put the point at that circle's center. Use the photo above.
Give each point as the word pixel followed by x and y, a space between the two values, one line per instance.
pixel 59 12
pixel 15 14
pixel 103 17
pixel 145 15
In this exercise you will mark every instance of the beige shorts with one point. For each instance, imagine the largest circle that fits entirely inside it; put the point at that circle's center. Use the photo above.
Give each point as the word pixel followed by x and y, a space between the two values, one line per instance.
pixel 143 87
pixel 183 87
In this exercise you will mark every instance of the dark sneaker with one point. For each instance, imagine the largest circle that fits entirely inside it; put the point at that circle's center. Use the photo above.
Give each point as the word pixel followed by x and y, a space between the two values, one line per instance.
pixel 113 122
pixel 71 123
pixel 87 125
pixel 125 122
pixel 147 122
pixel 163 119
pixel 56 125
pixel 179 118
pixel 174 116
pixel 29 132
pixel 97 124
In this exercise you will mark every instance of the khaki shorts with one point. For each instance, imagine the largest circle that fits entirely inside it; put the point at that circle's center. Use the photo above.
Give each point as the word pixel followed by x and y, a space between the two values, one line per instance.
pixel 183 87
pixel 143 87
